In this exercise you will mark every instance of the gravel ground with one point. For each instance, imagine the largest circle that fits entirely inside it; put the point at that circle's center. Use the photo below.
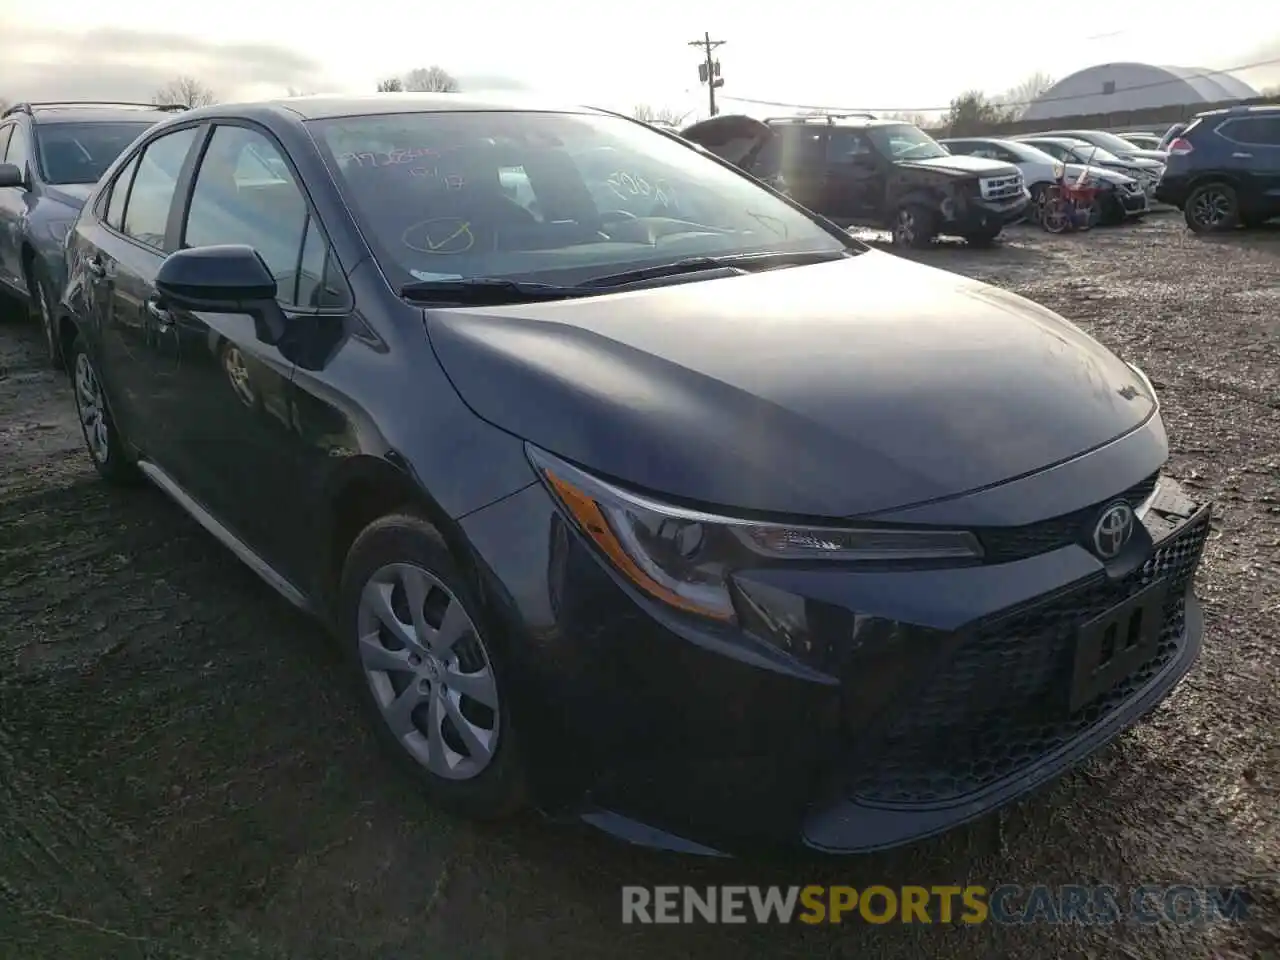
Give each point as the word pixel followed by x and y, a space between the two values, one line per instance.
pixel 183 773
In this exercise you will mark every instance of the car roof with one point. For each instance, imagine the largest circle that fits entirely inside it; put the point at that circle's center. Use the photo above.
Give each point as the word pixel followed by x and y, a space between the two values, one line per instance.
pixel 1266 109
pixel 1050 138
pixel 325 107
pixel 42 114
pixel 858 120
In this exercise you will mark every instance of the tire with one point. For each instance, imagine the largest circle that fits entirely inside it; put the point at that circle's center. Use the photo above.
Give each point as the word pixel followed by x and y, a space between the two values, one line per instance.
pixel 388 557
pixel 1112 212
pixel 1212 208
pixel 914 226
pixel 42 305
pixel 108 451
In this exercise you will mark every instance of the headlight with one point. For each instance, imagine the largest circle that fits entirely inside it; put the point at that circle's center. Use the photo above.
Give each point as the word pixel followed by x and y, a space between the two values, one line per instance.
pixel 58 229
pixel 686 557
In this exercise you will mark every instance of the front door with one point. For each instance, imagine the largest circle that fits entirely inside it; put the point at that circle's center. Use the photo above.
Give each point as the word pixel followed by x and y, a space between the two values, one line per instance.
pixel 1254 156
pixel 13 208
pixel 236 448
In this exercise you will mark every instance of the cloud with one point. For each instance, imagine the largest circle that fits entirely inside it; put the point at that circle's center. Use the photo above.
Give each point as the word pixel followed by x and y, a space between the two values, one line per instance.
pixel 41 64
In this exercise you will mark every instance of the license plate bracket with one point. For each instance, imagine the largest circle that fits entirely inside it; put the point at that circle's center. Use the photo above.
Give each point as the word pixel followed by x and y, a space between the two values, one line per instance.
pixel 1115 643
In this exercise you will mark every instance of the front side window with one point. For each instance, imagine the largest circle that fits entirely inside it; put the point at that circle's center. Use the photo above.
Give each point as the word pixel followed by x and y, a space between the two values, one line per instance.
pixel 244 193
pixel 902 141
pixel 82 152
pixel 146 213
pixel 846 145
pixel 556 197
pixel 1087 153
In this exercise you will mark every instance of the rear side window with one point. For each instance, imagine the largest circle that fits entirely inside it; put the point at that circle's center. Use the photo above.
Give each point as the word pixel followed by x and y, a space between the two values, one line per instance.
pixel 1255 131
pixel 119 194
pixel 147 211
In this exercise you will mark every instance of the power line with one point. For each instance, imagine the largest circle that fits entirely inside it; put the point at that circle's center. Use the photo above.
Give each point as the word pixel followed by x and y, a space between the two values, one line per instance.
pixel 1017 103
pixel 709 69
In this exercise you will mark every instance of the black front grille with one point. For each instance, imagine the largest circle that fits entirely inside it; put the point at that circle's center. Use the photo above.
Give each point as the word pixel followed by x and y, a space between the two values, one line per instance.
pixel 998 703
pixel 1005 544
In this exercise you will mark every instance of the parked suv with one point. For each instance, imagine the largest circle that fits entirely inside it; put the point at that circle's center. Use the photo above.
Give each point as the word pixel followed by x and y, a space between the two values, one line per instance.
pixel 856 170
pixel 1224 169
pixel 51 155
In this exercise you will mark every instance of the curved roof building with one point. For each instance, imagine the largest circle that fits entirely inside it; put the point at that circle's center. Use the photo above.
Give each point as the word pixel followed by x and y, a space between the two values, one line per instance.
pixel 1118 87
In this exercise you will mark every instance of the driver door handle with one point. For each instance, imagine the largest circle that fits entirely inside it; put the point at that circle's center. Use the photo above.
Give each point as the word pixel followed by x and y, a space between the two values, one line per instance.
pixel 162 316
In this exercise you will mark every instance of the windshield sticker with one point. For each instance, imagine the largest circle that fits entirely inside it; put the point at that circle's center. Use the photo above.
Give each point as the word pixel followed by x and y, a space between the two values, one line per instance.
pixel 627 185
pixel 439 237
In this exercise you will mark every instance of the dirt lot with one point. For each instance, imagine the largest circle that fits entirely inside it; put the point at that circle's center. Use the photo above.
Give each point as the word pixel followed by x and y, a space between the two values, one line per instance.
pixel 181 773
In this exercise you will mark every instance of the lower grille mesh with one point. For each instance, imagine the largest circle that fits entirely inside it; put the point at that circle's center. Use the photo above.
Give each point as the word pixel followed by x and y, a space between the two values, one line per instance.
pixel 998 704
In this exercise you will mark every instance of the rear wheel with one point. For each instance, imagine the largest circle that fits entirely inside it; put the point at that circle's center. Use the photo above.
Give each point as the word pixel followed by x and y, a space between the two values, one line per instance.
pixel 429 668
pixel 1212 208
pixel 914 226
pixel 107 450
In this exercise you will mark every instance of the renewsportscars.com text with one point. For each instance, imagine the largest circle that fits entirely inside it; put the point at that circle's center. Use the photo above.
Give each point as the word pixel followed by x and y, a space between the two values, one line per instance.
pixel 1004 904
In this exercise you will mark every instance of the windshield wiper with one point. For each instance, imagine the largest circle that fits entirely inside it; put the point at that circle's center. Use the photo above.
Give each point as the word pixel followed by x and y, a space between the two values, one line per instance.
pixel 744 261
pixel 485 290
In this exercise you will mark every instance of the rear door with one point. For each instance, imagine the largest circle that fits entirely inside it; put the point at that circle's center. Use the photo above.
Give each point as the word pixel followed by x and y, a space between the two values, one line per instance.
pixel 140 351
pixel 803 162
pixel 1254 157
pixel 857 176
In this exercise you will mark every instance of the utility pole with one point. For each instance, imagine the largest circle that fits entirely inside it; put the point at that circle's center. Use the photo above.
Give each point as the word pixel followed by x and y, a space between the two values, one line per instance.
pixel 709 69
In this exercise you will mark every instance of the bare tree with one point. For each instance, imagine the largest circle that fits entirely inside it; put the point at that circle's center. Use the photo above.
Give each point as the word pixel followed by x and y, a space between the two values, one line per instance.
pixel 1017 98
pixel 391 85
pixel 292 91
pixel 186 91
pixel 647 114
pixel 432 79
pixel 915 119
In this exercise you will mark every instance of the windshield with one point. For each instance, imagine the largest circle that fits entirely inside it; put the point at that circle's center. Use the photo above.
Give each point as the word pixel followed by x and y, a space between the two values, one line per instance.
pixel 1026 153
pixel 1109 141
pixel 545 196
pixel 81 152
pixel 1088 153
pixel 905 142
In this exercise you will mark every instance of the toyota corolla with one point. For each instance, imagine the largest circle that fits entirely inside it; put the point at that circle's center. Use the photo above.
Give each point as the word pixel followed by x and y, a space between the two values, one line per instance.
pixel 633 491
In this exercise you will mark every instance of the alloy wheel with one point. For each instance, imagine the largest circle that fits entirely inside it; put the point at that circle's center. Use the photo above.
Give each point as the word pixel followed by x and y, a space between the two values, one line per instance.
pixel 1211 208
pixel 429 671
pixel 92 409
pixel 237 370
pixel 904 228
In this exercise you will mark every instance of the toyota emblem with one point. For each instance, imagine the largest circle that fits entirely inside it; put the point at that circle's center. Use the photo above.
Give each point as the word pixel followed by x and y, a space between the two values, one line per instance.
pixel 1113 531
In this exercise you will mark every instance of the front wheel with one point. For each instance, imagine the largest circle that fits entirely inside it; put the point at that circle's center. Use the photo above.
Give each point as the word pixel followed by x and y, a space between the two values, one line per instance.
pixel 914 226
pixel 429 668
pixel 106 449
pixel 1212 208
pixel 43 300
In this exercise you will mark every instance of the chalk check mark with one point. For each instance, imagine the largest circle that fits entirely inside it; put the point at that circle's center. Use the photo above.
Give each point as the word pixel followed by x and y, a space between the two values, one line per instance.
pixel 464 229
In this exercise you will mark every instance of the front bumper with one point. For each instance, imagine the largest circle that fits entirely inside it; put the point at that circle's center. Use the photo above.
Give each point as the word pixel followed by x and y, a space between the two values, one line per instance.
pixel 941 698
pixel 972 215
pixel 1134 203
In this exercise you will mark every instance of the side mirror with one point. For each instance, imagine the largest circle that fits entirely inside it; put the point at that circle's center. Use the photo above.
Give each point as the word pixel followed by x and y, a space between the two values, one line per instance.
pixel 230 278
pixel 11 176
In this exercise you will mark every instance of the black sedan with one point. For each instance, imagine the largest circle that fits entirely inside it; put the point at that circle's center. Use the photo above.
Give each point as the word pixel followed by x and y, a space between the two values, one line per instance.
pixel 692 518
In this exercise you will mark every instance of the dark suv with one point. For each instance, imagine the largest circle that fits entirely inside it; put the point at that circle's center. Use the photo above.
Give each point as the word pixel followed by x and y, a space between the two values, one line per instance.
pixel 856 170
pixel 51 155
pixel 1224 169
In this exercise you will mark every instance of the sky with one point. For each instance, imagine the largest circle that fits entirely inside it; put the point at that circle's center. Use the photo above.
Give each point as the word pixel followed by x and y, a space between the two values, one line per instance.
pixel 909 55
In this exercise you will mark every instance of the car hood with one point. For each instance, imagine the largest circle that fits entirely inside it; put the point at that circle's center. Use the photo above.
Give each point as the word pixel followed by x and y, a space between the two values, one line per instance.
pixel 824 391
pixel 72 195
pixel 1101 173
pixel 962 165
